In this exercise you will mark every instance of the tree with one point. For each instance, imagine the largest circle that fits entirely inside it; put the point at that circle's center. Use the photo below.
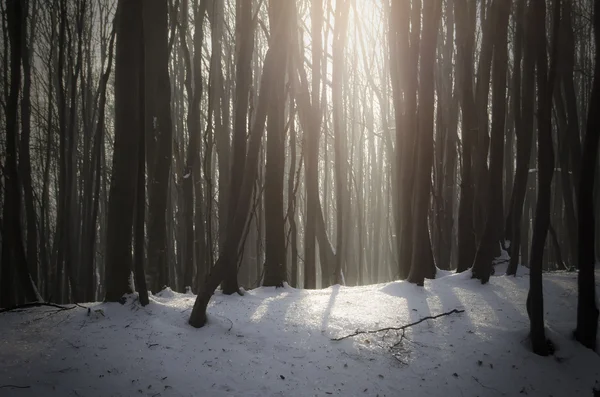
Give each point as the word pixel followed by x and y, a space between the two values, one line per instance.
pixel 545 86
pixel 158 125
pixel 128 127
pixel 13 249
pixel 312 132
pixel 229 251
pixel 24 143
pixel 465 22
pixel 422 262
pixel 482 265
pixel 243 78
pixel 523 92
pixel 587 311
pixel 341 173
pixel 275 264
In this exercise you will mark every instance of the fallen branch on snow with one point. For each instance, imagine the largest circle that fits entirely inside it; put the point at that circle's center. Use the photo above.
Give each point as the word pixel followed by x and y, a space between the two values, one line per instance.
pixel 39 304
pixel 401 328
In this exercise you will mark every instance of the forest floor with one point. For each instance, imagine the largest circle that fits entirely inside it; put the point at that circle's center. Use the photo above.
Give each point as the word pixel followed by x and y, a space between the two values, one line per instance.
pixel 279 343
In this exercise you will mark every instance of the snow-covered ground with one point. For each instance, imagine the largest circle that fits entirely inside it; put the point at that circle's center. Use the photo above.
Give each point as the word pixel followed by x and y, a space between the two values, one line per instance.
pixel 278 343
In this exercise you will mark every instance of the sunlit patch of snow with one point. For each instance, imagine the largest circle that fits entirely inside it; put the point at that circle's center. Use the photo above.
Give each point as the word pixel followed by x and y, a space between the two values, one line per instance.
pixel 277 342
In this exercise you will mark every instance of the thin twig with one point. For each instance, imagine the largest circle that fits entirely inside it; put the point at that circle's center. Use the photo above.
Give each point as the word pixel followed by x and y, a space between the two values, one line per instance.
pixel 15 387
pixel 484 386
pixel 401 328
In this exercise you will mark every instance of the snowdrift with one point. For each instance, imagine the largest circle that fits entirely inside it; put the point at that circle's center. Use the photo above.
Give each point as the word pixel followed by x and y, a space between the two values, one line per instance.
pixel 278 342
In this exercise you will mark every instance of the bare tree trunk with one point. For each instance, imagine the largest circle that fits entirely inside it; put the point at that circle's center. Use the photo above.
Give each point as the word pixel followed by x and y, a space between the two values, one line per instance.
pixel 545 88
pixel 234 235
pixel 486 252
pixel 128 126
pixel 523 90
pixel 24 148
pixel 341 176
pixel 275 263
pixel 587 311
pixel 158 108
pixel 312 133
pixel 292 195
pixel 243 80
pixel 422 262
pixel 13 250
pixel 465 22
pixel 140 191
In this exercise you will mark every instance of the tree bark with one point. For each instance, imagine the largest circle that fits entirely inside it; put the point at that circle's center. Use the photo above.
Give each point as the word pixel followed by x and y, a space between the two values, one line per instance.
pixel 229 251
pixel 422 262
pixel 486 252
pixel 13 249
pixel 159 123
pixel 465 22
pixel 545 88
pixel 275 255
pixel 587 311
pixel 128 126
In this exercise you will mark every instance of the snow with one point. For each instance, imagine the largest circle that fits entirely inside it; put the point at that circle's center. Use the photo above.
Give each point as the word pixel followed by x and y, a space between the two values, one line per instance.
pixel 277 342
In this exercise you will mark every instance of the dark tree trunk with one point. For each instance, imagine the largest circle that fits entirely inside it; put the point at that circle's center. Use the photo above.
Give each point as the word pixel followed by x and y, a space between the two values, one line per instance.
pixel 489 244
pixel 140 190
pixel 275 263
pixel 545 88
pixel 312 131
pixel 292 188
pixel 465 21
pixel 229 250
pixel 422 262
pixel 13 249
pixel 24 149
pixel 243 80
pixel 523 130
pixel 587 311
pixel 158 107
pixel 128 126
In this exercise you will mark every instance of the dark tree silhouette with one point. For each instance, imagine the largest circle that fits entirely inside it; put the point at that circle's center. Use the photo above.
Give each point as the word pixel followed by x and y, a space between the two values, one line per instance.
pixel 587 311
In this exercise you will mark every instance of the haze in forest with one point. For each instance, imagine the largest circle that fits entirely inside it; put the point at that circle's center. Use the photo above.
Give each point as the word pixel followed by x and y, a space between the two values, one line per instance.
pixel 184 154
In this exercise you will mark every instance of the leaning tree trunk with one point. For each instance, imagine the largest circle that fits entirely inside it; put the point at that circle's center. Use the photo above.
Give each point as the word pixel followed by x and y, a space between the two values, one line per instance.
pixel 234 237
pixel 587 311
